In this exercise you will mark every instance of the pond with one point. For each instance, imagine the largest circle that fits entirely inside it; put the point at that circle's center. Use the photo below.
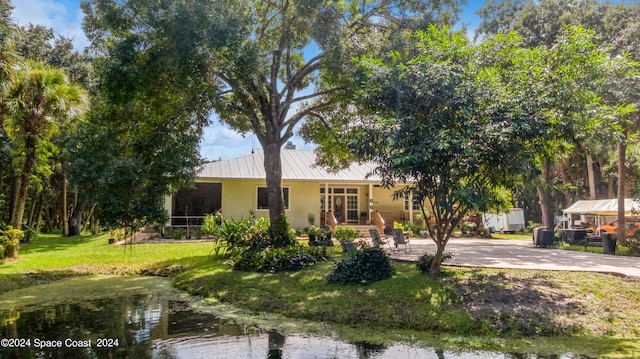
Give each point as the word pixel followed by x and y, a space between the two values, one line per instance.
pixel 142 317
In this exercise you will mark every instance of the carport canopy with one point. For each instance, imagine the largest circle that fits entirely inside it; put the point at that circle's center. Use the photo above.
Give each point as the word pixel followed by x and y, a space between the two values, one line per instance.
pixel 604 207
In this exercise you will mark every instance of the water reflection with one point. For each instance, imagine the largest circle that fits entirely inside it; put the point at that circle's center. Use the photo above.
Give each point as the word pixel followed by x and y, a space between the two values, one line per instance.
pixel 162 327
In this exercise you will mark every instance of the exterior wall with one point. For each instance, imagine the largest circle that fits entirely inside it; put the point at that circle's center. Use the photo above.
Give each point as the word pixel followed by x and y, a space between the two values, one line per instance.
pixel 304 198
pixel 383 200
pixel 240 196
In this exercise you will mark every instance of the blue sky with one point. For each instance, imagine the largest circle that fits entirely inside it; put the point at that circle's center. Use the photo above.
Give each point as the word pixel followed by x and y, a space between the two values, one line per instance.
pixel 219 141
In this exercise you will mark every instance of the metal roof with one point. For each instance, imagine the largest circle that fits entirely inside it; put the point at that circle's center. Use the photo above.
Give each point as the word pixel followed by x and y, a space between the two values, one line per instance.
pixel 296 165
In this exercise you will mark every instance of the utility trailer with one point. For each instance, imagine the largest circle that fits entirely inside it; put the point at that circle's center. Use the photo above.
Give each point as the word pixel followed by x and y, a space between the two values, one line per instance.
pixel 506 222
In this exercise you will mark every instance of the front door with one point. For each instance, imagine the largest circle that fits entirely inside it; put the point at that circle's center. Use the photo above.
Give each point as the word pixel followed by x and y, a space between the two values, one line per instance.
pixel 340 209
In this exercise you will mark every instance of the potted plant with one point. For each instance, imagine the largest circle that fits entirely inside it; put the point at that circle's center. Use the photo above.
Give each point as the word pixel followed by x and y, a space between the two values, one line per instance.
pixel 406 230
pixel 316 233
pixel 346 235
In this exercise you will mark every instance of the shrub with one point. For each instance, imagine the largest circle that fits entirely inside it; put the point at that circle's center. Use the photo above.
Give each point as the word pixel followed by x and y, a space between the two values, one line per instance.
pixel 251 246
pixel 364 266
pixel 210 225
pixel 633 243
pixel 531 225
pixel 272 259
pixel 484 232
pixel 346 233
pixel 9 237
pixel 424 262
pixel 118 233
pixel 317 231
pixel 178 233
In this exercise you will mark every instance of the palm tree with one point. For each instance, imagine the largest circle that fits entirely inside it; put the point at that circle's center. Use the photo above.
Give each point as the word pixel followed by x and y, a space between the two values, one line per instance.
pixel 39 100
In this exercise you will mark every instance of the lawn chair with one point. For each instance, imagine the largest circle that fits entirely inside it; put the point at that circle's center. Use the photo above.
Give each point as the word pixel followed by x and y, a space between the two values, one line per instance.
pixel 398 239
pixel 377 240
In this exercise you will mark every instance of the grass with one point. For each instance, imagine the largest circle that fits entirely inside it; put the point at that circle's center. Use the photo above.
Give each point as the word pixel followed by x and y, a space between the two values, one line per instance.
pixel 52 257
pixel 620 250
pixel 512 236
pixel 601 309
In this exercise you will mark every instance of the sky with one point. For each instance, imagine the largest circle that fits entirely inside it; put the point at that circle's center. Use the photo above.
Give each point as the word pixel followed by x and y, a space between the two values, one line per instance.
pixel 219 141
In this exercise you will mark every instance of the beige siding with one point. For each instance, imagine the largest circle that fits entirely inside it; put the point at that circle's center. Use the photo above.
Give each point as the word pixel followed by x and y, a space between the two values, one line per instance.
pixel 383 200
pixel 304 198
pixel 240 196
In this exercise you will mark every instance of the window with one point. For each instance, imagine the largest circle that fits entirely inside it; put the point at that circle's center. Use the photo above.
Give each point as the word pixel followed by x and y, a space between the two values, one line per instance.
pixel 416 204
pixel 194 203
pixel 263 200
pixel 204 198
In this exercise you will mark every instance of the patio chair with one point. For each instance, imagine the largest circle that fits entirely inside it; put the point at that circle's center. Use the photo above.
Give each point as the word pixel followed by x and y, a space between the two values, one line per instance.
pixel 398 239
pixel 379 241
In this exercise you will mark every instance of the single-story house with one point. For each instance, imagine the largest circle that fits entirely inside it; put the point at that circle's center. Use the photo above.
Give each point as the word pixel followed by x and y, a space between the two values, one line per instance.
pixel 237 186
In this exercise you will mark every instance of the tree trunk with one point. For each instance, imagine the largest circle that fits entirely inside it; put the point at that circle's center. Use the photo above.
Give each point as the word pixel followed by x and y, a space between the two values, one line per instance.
pixel 15 184
pixel 89 218
pixel 591 178
pixel 436 264
pixel 610 185
pixel 65 219
pixel 544 195
pixel 31 146
pixel 622 149
pixel 36 205
pixel 75 222
pixel 273 169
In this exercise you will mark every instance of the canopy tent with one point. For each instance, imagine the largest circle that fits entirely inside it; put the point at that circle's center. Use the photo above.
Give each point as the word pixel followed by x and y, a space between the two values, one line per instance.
pixel 604 207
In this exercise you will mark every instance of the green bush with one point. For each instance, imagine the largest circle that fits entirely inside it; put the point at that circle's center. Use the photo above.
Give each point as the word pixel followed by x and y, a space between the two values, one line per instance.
pixel 484 232
pixel 9 237
pixel 252 246
pixel 272 259
pixel 424 262
pixel 210 224
pixel 346 233
pixel 531 225
pixel 368 265
pixel 633 243
pixel 178 233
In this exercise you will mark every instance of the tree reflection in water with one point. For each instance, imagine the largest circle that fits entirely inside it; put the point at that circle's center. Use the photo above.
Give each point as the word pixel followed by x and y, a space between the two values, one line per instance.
pixel 161 327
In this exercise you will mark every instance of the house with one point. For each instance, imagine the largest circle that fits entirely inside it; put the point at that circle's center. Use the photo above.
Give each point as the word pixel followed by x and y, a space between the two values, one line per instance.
pixel 238 186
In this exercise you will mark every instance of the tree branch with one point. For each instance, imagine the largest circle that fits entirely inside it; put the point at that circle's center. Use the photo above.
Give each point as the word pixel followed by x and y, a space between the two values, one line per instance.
pixel 314 95
pixel 312 65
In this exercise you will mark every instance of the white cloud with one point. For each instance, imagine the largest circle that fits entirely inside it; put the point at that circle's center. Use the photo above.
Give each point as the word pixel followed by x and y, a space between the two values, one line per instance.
pixel 64 17
pixel 221 142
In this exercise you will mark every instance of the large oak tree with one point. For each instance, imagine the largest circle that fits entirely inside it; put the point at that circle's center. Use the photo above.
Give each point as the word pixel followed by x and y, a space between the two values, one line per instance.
pixel 267 75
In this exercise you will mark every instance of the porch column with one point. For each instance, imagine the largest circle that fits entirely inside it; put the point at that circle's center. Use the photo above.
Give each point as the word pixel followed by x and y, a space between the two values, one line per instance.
pixel 411 207
pixel 370 204
pixel 326 201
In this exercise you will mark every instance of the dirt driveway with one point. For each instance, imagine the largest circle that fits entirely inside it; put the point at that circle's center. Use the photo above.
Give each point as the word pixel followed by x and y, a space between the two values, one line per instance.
pixel 502 253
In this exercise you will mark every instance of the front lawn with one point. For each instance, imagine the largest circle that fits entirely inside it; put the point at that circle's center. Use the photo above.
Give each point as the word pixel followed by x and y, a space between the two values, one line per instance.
pixel 465 302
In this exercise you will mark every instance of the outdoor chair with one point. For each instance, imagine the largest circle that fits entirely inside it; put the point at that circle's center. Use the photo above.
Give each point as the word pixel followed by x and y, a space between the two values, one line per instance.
pixel 378 241
pixel 399 239
pixel 323 242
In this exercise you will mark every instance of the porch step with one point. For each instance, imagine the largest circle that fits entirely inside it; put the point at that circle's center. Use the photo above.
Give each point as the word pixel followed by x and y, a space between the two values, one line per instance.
pixel 364 229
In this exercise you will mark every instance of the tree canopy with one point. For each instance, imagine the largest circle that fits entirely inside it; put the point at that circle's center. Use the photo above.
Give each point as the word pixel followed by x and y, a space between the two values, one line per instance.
pixel 457 122
pixel 154 92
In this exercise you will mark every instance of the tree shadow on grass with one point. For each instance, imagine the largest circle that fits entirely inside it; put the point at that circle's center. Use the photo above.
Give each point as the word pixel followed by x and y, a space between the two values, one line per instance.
pixel 516 305
pixel 56 243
